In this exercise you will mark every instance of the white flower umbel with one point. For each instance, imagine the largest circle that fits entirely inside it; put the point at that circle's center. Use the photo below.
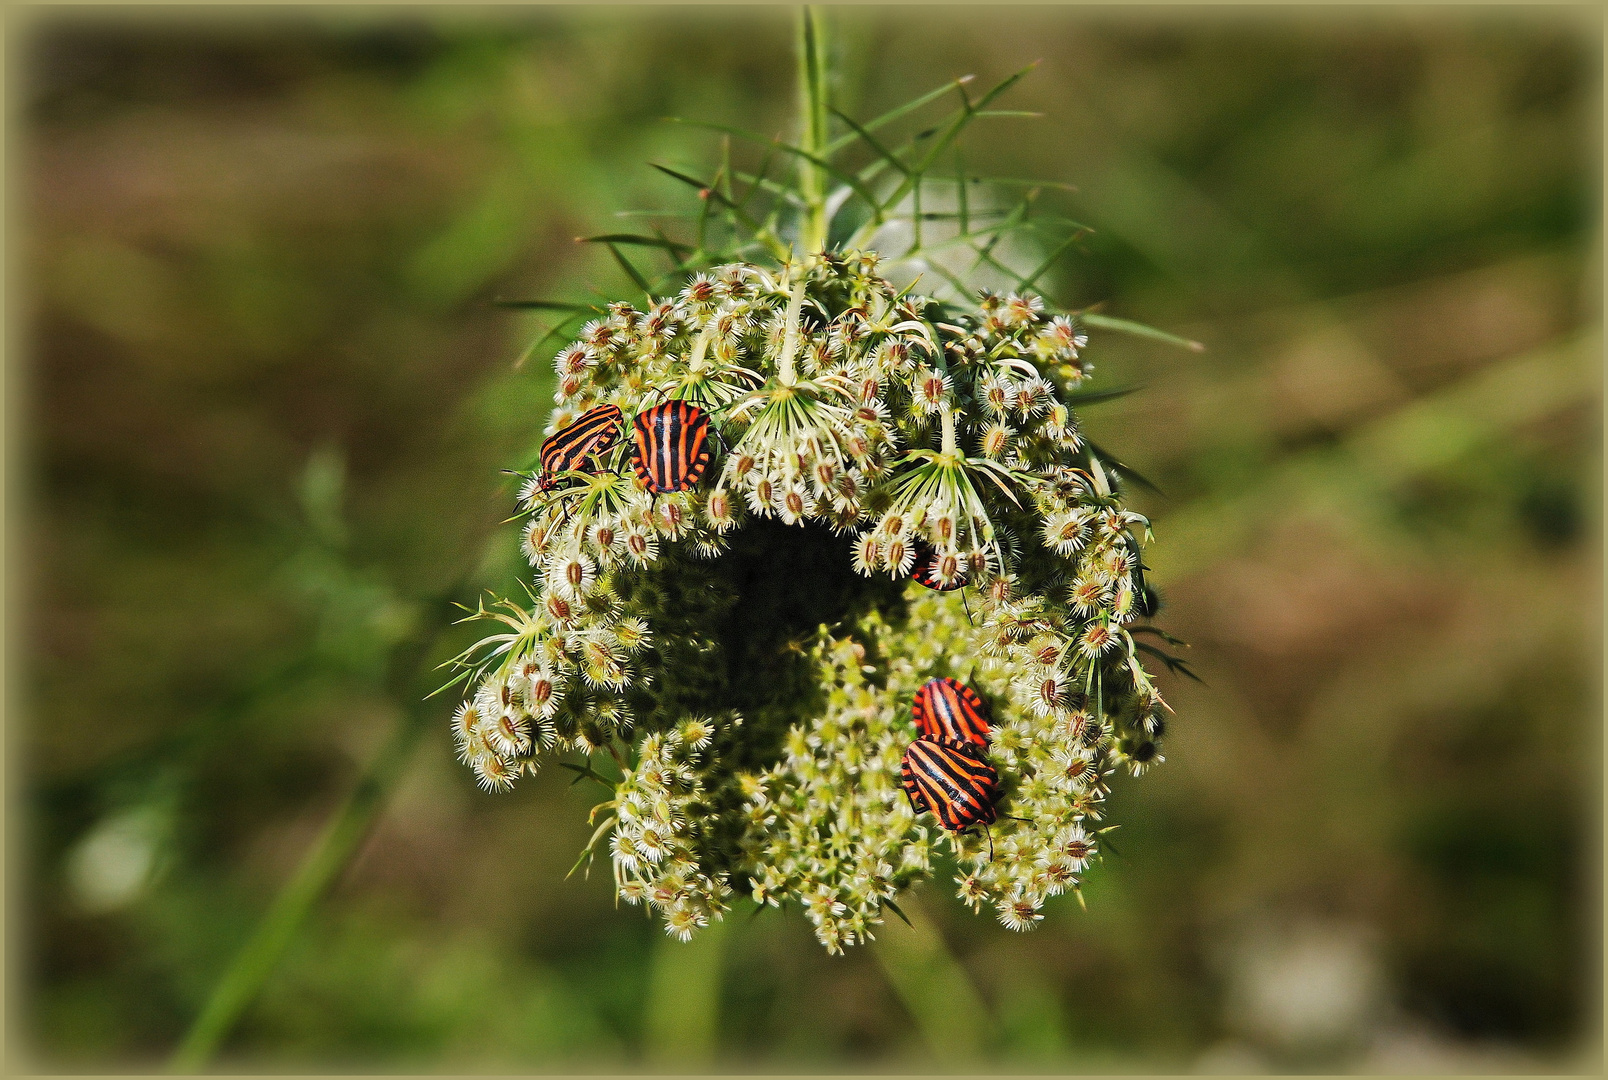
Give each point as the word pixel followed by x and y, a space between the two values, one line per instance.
pixel 889 435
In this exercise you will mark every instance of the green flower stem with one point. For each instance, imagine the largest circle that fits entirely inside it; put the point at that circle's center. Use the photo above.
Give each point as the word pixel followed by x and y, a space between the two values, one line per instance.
pixel 948 446
pixel 256 960
pixel 683 1005
pixel 786 375
pixel 957 1024
pixel 813 106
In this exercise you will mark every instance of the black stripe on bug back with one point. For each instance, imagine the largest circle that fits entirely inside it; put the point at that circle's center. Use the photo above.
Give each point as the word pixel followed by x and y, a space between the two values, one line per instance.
pixel 592 433
pixel 907 781
pixel 944 708
pixel 670 446
pixel 954 781
pixel 925 570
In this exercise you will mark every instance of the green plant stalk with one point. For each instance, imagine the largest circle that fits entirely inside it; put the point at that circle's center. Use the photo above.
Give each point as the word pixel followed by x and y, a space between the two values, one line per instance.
pixel 949 1012
pixel 243 979
pixel 683 1001
pixel 813 107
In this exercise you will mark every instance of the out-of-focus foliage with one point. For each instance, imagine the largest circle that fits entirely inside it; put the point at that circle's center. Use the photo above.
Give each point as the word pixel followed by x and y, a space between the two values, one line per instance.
pixel 267 396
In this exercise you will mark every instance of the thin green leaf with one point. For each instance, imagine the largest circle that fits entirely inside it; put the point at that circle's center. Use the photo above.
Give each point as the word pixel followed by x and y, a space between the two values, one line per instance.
pixel 542 305
pixel 1127 326
pixel 1090 397
pixel 1019 214
pixel 634 239
pixel 591 845
pixel 952 132
pixel 586 772
pixel 1129 473
pixel 871 141
pixel 763 234
pixel 798 151
pixel 852 181
pixel 903 110
pixel 961 239
pixel 1174 664
pixel 760 179
pixel 963 290
pixel 456 680
pixel 1013 181
pixel 1159 632
pixel 985 257
pixel 960 191
pixel 723 174
pixel 557 329
pixel 742 133
pixel 781 191
pixel 891 906
pixel 631 271
pixel 673 249
pixel 1031 279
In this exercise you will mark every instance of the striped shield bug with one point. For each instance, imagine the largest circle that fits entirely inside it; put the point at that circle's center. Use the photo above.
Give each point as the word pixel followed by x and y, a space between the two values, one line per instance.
pixel 593 432
pixel 670 446
pixel 952 710
pixel 951 780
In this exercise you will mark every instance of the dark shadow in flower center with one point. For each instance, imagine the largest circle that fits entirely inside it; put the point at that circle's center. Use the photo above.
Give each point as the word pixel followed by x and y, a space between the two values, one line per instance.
pixel 734 632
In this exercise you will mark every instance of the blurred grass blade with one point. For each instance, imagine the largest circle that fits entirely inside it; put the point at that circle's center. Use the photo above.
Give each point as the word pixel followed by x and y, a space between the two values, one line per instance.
pixel 953 1018
pixel 243 979
pixel 273 935
pixel 680 1028
pixel 1127 326
pixel 1360 473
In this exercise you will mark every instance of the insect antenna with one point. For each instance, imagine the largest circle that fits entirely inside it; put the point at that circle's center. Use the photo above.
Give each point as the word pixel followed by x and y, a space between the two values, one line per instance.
pixel 715 431
pixel 967 609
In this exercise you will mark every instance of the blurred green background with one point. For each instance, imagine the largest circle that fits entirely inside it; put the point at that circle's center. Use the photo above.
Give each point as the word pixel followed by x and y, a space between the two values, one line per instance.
pixel 266 397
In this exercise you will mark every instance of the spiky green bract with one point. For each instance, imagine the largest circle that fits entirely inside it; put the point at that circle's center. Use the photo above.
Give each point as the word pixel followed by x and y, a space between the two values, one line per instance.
pixel 744 654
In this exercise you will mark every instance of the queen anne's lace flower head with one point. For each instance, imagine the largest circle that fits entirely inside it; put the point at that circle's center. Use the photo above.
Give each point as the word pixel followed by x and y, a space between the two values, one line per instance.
pixel 737 659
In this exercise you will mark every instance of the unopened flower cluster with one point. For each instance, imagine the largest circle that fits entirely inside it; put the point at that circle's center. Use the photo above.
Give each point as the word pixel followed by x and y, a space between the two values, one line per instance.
pixel 934 441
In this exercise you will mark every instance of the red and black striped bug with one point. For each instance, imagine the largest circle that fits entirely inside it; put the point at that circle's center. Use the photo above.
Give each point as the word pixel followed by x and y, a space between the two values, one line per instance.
pixel 568 449
pixel 950 779
pixel 670 446
pixel 926 569
pixel 948 709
